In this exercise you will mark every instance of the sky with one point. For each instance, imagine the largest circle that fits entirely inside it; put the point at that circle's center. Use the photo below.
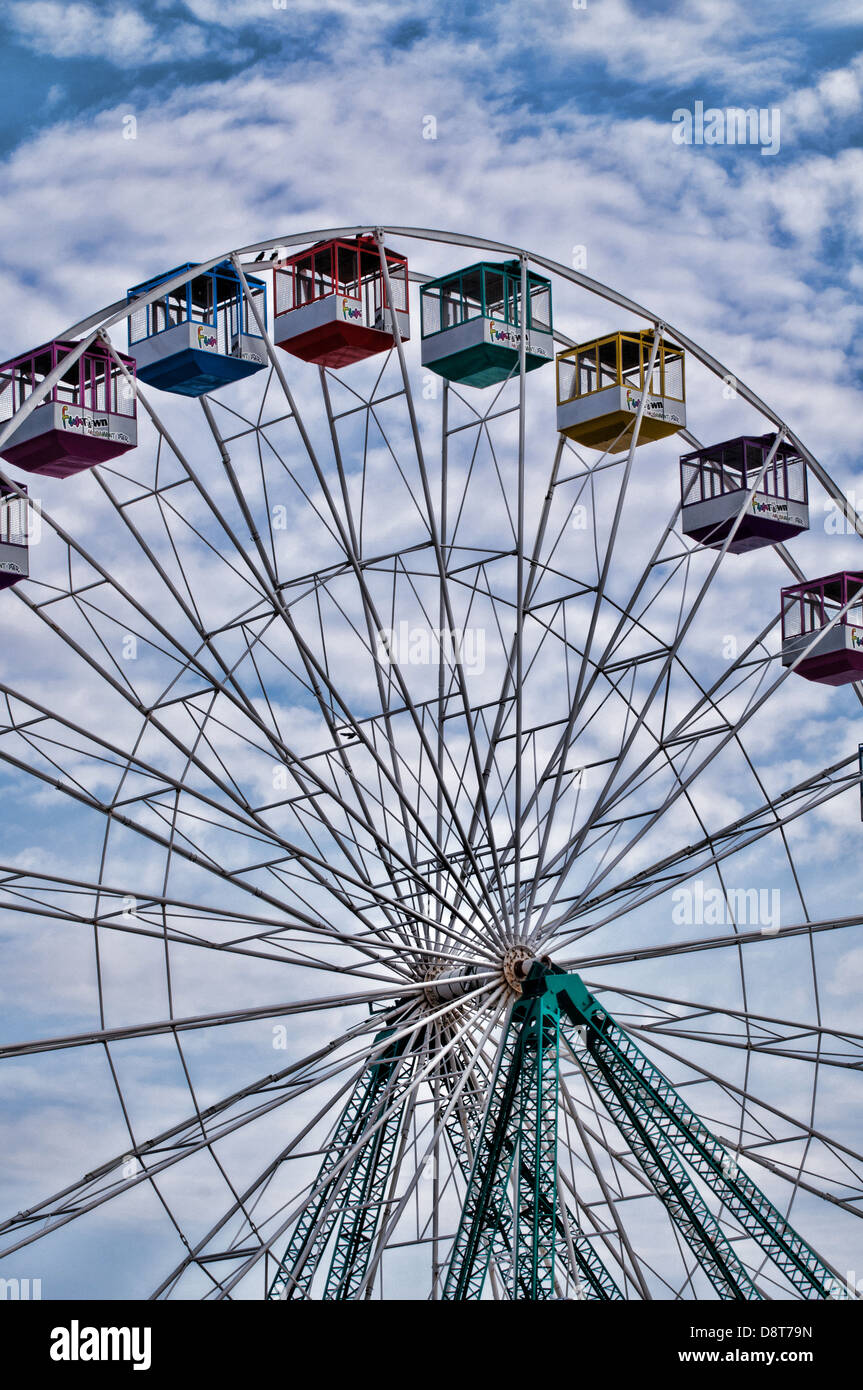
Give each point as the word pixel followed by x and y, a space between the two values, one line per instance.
pixel 138 137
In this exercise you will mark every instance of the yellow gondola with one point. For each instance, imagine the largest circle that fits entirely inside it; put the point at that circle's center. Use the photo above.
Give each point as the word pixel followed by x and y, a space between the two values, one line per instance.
pixel 600 386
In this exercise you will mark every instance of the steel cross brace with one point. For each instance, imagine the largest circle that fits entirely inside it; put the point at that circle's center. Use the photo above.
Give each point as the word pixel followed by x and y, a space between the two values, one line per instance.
pixel 517 1136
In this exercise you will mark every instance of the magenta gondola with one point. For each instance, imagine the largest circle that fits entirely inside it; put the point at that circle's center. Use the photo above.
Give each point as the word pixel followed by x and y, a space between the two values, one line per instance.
pixel 836 657
pixel 14 560
pixel 714 483
pixel 88 417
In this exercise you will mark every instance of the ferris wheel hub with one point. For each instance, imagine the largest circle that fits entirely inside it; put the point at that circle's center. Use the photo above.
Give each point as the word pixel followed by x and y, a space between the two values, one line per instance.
pixel 444 984
pixel 516 965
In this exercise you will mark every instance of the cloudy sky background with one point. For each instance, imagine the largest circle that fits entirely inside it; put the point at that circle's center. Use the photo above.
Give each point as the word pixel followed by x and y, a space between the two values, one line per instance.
pixel 553 131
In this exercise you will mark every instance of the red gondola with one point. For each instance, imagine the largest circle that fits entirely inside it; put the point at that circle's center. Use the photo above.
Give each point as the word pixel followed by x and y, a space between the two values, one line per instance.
pixel 332 306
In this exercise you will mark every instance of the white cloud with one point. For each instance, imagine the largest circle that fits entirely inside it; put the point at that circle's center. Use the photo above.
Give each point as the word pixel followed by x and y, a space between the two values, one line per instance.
pixel 836 97
pixel 238 12
pixel 697 42
pixel 118 34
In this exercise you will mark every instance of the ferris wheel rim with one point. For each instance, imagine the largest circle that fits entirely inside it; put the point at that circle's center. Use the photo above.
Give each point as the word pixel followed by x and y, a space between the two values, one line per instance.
pixel 575 277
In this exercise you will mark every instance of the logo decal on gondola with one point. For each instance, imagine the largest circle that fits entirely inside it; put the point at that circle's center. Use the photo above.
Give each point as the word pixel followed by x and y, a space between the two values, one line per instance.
pixel 207 340
pixel 769 507
pixel 351 311
pixel 653 407
pixel 509 336
pixel 91 424
pixel 857 637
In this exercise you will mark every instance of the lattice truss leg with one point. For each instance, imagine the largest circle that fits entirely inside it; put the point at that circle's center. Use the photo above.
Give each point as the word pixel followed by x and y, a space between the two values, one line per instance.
pixel 511 1216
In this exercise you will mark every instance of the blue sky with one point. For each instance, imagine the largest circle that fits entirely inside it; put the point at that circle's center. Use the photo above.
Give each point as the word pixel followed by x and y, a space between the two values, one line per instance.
pixel 80 58
pixel 553 132
pixel 85 56
pixel 315 111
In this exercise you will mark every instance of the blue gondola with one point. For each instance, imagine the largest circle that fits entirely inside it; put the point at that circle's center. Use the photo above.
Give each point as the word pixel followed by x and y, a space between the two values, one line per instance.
pixel 200 335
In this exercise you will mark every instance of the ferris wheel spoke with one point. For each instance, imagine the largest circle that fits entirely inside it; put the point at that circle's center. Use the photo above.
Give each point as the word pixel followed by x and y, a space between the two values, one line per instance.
pixel 602 577
pixel 623 1252
pixel 131 914
pixel 735 939
pixel 768 801
pixel 667 656
pixel 803 798
pixel 754 704
pixel 698 818
pixel 737 836
pixel 584 685
pixel 496 1005
pixel 395 784
pixel 567 739
pixel 245 820
pixel 275 936
pixel 383 687
pixel 320 673
pixel 804 1129
pixel 575 1254
pixel 314 674
pixel 194 855
pixel 678 736
pixel 346 1158
pixel 226 460
pixel 338 1168
pixel 501 705
pixel 447 605
pixel 398 764
pixel 544 871
pixel 636 1266
pixel 178 1143
pixel 764 1033
pixel 765 1047
pixel 181 1025
pixel 323 1192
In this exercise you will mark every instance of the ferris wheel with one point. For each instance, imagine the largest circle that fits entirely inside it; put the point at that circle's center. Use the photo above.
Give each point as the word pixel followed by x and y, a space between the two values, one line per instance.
pixel 413 880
